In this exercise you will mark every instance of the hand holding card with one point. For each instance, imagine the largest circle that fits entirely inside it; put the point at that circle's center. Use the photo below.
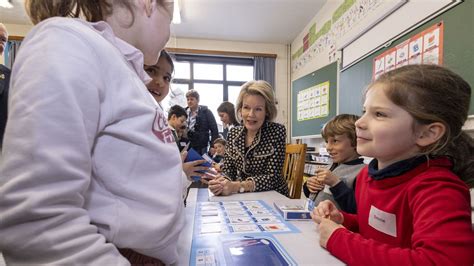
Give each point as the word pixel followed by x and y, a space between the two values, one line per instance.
pixel 192 156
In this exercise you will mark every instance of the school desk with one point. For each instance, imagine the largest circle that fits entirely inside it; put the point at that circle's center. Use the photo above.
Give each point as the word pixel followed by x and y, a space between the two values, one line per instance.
pixel 303 247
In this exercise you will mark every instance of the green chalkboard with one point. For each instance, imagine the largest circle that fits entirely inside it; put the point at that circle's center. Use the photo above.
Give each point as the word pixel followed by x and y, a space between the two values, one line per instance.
pixel 458 56
pixel 306 126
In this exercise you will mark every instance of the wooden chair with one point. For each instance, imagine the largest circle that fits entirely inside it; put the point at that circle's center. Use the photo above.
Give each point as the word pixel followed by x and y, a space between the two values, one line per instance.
pixel 293 168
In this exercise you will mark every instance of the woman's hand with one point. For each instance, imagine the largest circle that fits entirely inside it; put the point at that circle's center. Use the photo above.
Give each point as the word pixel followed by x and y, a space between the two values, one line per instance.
pixel 327 177
pixel 221 186
pixel 327 210
pixel 314 185
pixel 326 228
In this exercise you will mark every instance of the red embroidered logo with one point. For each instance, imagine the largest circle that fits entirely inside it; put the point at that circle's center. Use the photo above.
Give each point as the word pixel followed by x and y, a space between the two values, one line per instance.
pixel 160 128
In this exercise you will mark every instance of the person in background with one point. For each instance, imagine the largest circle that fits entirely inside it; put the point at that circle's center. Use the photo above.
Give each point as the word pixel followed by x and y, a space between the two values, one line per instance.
pixel 4 84
pixel 202 126
pixel 255 151
pixel 177 120
pixel 413 205
pixel 337 182
pixel 87 153
pixel 226 113
pixel 161 74
pixel 219 146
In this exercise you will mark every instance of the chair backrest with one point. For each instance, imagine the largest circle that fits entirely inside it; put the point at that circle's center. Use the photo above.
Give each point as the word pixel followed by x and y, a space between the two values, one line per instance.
pixel 293 168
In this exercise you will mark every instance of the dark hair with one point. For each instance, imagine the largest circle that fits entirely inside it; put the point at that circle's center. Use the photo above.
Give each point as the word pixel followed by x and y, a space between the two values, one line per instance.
pixel 192 93
pixel 228 108
pixel 343 124
pixel 168 58
pixel 91 10
pixel 220 141
pixel 178 111
pixel 431 93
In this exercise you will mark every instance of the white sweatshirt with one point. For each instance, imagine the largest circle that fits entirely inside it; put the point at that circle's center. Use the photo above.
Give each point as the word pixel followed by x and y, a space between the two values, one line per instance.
pixel 88 158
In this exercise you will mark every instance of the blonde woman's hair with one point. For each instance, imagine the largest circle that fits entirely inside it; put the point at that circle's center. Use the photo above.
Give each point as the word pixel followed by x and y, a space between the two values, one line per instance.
pixel 261 88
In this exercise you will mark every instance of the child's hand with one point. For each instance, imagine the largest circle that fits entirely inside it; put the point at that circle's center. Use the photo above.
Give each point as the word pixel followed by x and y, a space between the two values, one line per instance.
pixel 327 177
pixel 327 210
pixel 326 228
pixel 314 185
pixel 192 168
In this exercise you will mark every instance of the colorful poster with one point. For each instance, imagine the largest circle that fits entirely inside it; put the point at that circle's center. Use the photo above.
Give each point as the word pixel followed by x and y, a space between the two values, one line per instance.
pixel 423 48
pixel 313 102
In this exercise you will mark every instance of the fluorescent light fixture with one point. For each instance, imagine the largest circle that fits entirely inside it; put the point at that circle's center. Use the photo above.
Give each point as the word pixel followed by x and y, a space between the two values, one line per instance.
pixel 176 13
pixel 6 4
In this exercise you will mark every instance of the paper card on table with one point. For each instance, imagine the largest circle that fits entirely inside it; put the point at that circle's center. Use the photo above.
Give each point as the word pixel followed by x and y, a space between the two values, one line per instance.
pixel 210 220
pixel 240 220
pixel 245 228
pixel 231 203
pixel 209 208
pixel 267 219
pixel 236 213
pixel 211 228
pixel 230 208
pixel 261 212
pixel 215 204
pixel 275 227
pixel 209 213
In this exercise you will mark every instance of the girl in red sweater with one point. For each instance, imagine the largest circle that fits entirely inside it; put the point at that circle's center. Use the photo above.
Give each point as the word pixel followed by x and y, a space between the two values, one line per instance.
pixel 413 198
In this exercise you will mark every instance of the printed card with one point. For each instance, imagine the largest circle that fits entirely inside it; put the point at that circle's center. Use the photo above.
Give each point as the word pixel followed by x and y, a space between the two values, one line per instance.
pixel 245 228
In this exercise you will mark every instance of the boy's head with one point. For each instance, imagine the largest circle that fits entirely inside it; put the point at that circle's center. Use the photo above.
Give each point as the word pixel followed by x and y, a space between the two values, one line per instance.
pixel 340 136
pixel 177 117
pixel 219 146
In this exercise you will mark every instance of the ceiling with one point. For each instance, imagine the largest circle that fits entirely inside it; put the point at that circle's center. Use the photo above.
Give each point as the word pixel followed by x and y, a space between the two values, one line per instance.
pixel 263 21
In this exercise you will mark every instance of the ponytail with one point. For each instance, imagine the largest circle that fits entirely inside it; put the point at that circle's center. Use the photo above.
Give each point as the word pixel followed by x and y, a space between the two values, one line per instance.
pixel 461 151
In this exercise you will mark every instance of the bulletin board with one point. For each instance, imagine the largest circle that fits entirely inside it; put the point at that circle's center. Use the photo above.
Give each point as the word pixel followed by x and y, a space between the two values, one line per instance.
pixel 313 101
pixel 458 55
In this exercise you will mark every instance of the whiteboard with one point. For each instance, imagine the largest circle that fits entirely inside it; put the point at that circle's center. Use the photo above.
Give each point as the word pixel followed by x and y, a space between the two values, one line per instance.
pixel 407 16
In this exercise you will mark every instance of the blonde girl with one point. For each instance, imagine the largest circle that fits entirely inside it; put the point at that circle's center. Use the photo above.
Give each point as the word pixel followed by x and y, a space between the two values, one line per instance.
pixel 87 153
pixel 413 204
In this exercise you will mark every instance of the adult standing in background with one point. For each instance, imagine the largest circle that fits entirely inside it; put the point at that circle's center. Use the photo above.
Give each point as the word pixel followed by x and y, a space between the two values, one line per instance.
pixel 4 84
pixel 255 151
pixel 226 112
pixel 201 124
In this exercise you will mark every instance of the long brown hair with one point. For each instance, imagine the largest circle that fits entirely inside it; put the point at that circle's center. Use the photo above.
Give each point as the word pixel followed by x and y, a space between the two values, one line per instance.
pixel 229 109
pixel 430 94
pixel 90 10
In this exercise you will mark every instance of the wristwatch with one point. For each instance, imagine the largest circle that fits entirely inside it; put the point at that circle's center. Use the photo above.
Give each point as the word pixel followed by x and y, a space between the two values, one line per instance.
pixel 242 188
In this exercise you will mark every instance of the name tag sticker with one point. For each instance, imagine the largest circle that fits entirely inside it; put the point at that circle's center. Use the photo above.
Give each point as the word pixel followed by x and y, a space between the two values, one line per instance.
pixel 383 221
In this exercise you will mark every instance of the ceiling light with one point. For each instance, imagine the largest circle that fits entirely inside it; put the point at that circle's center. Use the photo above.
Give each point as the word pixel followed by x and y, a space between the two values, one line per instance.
pixel 176 13
pixel 6 4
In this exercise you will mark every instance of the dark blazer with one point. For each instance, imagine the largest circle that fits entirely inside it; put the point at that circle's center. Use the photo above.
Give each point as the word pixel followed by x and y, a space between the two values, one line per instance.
pixel 263 160
pixel 4 87
pixel 205 125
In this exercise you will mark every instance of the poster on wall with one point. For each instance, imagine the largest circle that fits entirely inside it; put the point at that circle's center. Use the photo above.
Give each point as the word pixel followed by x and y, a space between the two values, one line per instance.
pixel 313 102
pixel 423 48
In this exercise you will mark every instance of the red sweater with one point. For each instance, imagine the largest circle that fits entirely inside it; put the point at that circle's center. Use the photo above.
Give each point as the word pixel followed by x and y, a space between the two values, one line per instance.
pixel 422 217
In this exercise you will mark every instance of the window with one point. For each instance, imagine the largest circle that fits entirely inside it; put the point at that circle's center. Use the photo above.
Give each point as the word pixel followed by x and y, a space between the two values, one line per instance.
pixel 217 79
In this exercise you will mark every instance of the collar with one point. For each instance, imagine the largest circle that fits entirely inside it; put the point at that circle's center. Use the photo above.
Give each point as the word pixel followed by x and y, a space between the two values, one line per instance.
pixel 353 162
pixel 395 169
pixel 133 56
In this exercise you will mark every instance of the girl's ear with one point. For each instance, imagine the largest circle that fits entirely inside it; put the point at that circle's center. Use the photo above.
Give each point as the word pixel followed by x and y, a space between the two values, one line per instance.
pixel 429 134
